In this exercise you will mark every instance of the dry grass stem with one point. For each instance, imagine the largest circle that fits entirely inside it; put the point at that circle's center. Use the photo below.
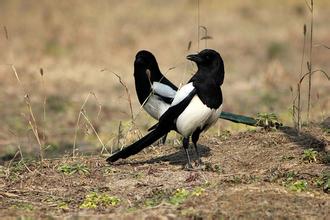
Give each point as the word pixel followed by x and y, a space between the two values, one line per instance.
pixel 310 63
pixel 104 149
pixel 6 32
pixel 127 93
pixel 79 117
pixel 33 123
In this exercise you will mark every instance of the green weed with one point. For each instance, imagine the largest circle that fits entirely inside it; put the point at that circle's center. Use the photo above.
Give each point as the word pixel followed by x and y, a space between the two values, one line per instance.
pixel 179 196
pixel 23 206
pixel 310 155
pixel 213 168
pixel 94 200
pixel 63 205
pixel 69 169
pixel 298 186
pixel 156 198
pixel 324 182
pixel 268 120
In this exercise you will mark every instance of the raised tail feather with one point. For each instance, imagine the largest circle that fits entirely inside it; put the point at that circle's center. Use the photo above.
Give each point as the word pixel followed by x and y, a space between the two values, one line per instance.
pixel 137 146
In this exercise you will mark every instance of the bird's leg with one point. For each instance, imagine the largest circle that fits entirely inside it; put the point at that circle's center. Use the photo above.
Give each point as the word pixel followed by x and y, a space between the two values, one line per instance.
pixel 185 143
pixel 195 138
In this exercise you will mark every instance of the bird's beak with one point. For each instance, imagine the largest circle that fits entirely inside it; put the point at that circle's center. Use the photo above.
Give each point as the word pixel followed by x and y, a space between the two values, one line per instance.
pixel 194 57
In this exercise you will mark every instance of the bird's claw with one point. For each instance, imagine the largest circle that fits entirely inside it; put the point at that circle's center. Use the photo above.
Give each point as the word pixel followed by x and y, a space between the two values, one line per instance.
pixel 188 167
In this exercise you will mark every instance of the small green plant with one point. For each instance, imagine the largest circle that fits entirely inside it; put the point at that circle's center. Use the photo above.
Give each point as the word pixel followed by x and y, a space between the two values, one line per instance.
pixel 179 196
pixel 324 182
pixel 268 120
pixel 156 197
pixel 290 176
pixel 23 206
pixel 72 169
pixel 63 205
pixel 224 134
pixel 298 186
pixel 287 157
pixel 213 168
pixel 198 191
pixel 310 155
pixel 94 200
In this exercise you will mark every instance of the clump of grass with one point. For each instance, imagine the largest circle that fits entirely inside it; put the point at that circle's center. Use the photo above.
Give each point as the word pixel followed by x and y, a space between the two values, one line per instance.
pixel 69 169
pixel 268 120
pixel 324 182
pixel 310 155
pixel 298 186
pixel 94 200
pixel 213 168
pixel 63 205
pixel 23 206
pixel 157 196
pixel 179 196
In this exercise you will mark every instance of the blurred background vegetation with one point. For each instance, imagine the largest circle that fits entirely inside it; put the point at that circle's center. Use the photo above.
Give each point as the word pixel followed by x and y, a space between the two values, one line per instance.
pixel 78 44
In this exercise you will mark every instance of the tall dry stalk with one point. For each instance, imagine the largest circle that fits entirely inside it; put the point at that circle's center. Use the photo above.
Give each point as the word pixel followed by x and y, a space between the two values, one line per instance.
pixel 82 113
pixel 310 63
pixel 198 25
pixel 299 109
pixel 43 88
pixel 128 95
pixel 32 120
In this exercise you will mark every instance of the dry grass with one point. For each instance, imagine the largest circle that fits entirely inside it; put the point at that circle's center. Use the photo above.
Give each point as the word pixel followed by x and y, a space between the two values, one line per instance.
pixel 261 63
pixel 251 174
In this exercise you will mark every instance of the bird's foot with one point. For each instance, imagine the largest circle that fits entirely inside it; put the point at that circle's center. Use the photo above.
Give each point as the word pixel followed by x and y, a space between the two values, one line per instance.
pixel 199 165
pixel 199 162
pixel 188 167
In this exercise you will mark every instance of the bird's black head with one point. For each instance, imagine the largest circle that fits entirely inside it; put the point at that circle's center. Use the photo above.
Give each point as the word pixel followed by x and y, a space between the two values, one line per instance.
pixel 210 62
pixel 146 63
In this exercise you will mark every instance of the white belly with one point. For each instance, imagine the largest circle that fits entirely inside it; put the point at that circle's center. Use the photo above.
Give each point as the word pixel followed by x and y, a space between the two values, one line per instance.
pixel 196 115
pixel 155 107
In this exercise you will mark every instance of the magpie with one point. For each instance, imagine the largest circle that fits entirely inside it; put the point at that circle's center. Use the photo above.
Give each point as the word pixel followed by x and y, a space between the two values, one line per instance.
pixel 195 107
pixel 155 92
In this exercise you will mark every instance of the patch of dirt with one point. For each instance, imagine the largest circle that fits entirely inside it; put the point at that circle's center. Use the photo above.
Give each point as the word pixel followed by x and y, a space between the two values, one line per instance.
pixel 255 174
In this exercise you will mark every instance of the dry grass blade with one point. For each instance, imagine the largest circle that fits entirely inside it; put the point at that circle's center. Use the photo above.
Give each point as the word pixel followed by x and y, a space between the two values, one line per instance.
pixel 310 66
pixel 79 117
pixel 189 46
pixel 206 36
pixel 298 125
pixel 104 149
pixel 127 93
pixel 33 123
pixel 6 32
pixel 43 104
pixel 16 74
pixel 322 45
pixel 198 24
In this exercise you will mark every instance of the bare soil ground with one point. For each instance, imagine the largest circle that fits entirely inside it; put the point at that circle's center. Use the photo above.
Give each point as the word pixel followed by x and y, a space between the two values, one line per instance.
pixel 255 174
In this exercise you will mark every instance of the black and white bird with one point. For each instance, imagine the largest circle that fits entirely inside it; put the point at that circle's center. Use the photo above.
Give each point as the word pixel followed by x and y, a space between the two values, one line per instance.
pixel 195 107
pixel 155 92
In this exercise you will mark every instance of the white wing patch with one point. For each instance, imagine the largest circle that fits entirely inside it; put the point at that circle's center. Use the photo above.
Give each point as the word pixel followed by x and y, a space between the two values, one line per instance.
pixel 182 93
pixel 155 107
pixel 163 90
